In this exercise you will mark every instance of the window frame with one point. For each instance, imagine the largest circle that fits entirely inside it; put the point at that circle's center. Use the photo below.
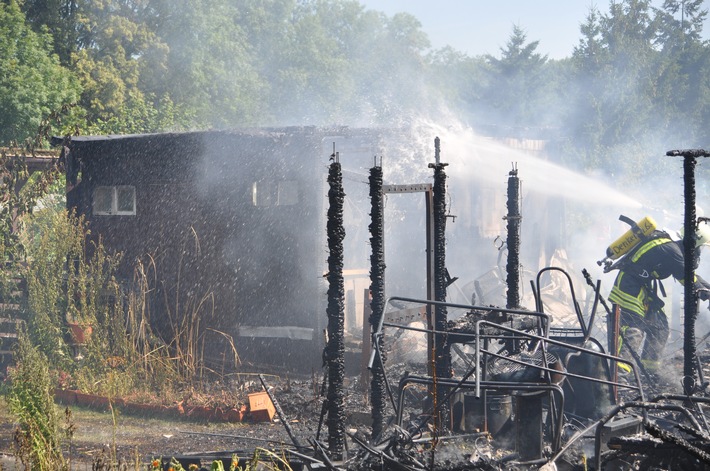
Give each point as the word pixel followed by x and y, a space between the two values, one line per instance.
pixel 274 193
pixel 114 192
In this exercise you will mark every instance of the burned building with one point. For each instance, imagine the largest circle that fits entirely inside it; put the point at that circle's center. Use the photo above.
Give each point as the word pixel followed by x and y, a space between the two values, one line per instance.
pixel 227 227
pixel 230 229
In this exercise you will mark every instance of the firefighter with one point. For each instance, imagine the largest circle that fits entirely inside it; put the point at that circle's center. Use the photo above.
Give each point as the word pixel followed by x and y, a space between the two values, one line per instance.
pixel 636 292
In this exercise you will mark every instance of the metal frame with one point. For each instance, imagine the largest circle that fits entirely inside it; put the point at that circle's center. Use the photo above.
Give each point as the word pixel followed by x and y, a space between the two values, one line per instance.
pixel 478 383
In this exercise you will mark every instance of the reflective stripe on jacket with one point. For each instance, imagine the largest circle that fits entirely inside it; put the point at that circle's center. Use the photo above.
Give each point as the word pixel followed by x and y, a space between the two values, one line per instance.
pixel 630 294
pixel 632 288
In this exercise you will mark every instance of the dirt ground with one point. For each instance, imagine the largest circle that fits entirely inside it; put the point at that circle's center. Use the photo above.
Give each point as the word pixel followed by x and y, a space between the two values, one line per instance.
pixel 143 438
pixel 135 439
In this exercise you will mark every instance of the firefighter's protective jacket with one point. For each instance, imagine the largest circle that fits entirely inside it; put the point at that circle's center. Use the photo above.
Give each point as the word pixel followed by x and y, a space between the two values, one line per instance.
pixel 635 287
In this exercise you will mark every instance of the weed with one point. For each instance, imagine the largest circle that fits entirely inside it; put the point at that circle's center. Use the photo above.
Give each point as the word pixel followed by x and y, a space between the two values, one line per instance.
pixel 30 399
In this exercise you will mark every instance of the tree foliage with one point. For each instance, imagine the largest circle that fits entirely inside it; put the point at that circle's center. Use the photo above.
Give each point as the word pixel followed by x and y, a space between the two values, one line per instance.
pixel 32 81
pixel 638 75
pixel 518 73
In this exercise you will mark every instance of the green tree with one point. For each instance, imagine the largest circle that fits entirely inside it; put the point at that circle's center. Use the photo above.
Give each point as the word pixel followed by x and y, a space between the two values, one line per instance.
pixel 324 61
pixel 32 82
pixel 615 75
pixel 398 48
pixel 585 119
pixel 115 50
pixel 461 79
pixel 628 33
pixel 209 63
pixel 683 87
pixel 312 83
pixel 517 80
pixel 590 52
pixel 61 19
pixel 112 47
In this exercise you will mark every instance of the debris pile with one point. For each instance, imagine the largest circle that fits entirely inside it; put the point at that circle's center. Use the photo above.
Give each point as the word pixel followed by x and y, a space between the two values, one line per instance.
pixel 491 388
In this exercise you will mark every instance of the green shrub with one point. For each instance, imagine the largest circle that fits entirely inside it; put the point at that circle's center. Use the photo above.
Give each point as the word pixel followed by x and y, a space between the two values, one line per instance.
pixel 30 398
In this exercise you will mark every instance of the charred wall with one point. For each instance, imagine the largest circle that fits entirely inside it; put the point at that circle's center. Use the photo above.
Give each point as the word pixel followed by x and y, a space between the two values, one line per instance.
pixel 226 224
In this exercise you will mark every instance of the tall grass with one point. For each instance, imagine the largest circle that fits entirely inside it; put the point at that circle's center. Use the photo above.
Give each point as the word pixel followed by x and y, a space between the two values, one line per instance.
pixel 71 277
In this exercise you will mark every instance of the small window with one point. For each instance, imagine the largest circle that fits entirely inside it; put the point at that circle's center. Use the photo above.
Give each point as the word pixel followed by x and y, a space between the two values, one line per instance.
pixel 268 193
pixel 261 193
pixel 126 200
pixel 102 200
pixel 115 200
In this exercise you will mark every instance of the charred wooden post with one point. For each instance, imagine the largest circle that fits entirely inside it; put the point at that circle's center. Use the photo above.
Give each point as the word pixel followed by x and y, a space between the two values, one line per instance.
pixel 377 290
pixel 690 256
pixel 334 354
pixel 513 219
pixel 441 345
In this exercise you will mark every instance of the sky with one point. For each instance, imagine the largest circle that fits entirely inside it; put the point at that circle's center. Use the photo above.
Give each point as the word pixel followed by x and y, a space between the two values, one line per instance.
pixel 479 27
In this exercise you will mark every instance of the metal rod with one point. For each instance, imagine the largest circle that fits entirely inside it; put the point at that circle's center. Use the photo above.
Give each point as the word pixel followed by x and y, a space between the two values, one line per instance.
pixel 578 312
pixel 497 385
pixel 280 413
pixel 429 302
pixel 240 437
pixel 563 344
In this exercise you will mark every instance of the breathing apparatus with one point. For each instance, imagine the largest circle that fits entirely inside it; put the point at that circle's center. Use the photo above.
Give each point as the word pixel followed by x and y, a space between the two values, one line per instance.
pixel 639 231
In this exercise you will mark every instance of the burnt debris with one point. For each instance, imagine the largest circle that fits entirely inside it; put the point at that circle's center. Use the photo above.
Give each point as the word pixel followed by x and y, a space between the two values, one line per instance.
pixel 519 393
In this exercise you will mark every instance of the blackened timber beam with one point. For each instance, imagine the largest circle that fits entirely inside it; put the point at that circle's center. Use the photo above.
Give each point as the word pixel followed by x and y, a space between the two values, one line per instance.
pixel 690 257
pixel 377 303
pixel 334 354
pixel 513 219
pixel 442 349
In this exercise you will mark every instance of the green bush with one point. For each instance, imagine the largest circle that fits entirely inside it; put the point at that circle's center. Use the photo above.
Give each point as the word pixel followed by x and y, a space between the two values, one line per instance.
pixel 30 398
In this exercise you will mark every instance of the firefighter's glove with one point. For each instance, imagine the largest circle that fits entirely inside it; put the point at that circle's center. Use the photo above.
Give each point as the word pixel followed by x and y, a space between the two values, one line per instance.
pixel 704 294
